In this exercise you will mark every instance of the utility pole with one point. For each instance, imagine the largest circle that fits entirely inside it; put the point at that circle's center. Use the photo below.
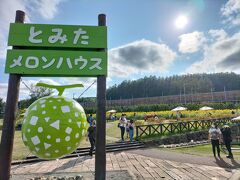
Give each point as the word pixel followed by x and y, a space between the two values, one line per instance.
pixel 192 94
pixel 212 94
pixel 225 95
pixel 180 97
pixel 184 93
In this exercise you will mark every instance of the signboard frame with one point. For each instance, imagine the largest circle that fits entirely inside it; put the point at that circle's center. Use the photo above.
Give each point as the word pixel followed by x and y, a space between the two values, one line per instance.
pixel 7 138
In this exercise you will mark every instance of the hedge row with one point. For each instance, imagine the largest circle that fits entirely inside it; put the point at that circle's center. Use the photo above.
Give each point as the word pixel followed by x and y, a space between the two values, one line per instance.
pixel 166 107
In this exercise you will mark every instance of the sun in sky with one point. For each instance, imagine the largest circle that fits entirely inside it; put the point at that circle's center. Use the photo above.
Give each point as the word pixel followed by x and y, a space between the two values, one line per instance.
pixel 181 22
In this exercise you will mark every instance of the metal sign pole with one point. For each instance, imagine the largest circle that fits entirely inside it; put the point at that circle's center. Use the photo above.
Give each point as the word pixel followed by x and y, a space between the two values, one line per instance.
pixel 8 130
pixel 100 158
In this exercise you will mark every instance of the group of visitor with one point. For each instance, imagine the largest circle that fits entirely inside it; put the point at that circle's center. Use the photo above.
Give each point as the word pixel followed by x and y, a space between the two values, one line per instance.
pixel 218 136
pixel 126 126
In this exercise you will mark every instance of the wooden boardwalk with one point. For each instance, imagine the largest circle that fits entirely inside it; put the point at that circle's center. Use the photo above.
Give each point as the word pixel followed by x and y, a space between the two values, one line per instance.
pixel 136 166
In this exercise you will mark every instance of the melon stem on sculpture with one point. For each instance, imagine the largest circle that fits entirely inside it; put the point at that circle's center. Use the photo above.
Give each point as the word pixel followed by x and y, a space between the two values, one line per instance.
pixel 60 89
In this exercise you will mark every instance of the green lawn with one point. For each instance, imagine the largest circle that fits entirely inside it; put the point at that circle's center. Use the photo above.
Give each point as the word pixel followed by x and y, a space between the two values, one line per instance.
pixel 113 130
pixel 20 151
pixel 205 150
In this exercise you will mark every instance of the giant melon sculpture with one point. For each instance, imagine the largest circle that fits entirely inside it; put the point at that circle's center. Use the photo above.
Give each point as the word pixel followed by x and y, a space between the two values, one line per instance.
pixel 54 125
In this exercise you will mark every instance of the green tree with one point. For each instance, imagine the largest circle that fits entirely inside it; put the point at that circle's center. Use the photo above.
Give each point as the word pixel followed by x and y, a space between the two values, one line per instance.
pixel 174 85
pixel 2 105
pixel 39 92
pixel 35 93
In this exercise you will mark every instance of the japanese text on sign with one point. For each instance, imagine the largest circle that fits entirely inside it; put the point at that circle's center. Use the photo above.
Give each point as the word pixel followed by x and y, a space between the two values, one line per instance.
pixel 57 36
pixel 75 63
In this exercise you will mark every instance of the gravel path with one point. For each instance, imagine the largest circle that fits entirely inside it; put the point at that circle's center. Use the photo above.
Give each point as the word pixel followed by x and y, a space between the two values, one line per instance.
pixel 187 158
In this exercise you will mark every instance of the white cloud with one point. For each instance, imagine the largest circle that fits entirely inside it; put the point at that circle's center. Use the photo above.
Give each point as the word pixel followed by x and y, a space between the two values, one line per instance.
pixel 191 42
pixel 88 83
pixel 230 11
pixel 45 8
pixel 25 87
pixel 24 92
pixel 222 55
pixel 140 56
pixel 217 34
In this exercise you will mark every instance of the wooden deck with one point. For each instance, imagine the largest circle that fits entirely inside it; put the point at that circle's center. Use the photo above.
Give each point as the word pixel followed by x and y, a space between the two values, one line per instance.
pixel 137 167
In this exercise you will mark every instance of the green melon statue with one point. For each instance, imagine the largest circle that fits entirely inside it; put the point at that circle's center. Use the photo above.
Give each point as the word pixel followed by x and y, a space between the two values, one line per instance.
pixel 54 125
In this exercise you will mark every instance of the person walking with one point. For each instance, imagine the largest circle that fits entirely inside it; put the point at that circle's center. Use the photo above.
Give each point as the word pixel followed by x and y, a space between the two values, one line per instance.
pixel 131 129
pixel 215 137
pixel 227 139
pixel 92 136
pixel 122 125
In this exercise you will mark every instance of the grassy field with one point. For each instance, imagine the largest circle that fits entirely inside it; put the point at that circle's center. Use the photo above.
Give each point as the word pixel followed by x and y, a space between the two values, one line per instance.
pixel 205 150
pixel 20 151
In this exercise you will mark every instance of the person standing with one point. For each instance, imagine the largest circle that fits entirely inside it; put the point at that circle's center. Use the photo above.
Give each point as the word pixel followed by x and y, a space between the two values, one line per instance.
pixel 127 128
pixel 92 136
pixel 90 119
pixel 227 139
pixel 215 137
pixel 122 125
pixel 131 129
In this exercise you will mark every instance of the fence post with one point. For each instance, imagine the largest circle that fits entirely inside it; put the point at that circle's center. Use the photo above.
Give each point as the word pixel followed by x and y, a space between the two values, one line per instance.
pixel 171 128
pixel 180 127
pixel 136 132
pixel 161 129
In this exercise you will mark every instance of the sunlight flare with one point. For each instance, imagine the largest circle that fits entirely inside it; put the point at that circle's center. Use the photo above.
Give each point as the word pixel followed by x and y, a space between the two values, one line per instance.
pixel 181 21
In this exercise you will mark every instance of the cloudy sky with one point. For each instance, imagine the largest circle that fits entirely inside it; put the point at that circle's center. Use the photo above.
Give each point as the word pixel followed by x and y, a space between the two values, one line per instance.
pixel 145 37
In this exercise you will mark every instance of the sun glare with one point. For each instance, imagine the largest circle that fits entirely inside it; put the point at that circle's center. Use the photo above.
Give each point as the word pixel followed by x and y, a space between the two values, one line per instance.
pixel 181 22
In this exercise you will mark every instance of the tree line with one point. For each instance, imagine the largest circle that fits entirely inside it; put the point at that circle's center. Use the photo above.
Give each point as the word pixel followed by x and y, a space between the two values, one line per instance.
pixel 174 85
pixel 151 86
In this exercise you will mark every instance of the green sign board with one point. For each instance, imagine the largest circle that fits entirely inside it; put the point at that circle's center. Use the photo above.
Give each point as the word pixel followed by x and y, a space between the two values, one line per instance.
pixel 56 63
pixel 48 35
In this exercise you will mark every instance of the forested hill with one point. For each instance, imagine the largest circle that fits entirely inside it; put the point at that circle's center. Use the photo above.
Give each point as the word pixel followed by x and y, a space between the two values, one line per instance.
pixel 174 85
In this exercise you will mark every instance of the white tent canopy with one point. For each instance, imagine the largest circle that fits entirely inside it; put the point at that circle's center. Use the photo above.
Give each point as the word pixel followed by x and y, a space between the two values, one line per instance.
pixel 179 108
pixel 112 111
pixel 236 118
pixel 205 108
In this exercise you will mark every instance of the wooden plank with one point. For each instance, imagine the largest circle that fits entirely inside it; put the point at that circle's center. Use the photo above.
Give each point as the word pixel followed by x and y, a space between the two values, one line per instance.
pixel 152 172
pixel 215 172
pixel 166 168
pixel 190 175
pixel 195 172
pixel 140 166
pixel 162 174
pixel 132 170
pixel 181 174
pixel 150 163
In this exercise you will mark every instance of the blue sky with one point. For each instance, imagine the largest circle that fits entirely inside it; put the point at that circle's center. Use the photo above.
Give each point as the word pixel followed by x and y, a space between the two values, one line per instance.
pixel 143 38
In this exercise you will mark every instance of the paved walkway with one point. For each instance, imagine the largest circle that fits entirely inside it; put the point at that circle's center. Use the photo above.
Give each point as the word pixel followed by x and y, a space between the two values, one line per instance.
pixel 166 154
pixel 124 165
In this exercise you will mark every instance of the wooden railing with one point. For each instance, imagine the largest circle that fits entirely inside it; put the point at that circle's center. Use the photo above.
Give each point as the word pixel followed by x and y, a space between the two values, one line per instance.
pixel 177 127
